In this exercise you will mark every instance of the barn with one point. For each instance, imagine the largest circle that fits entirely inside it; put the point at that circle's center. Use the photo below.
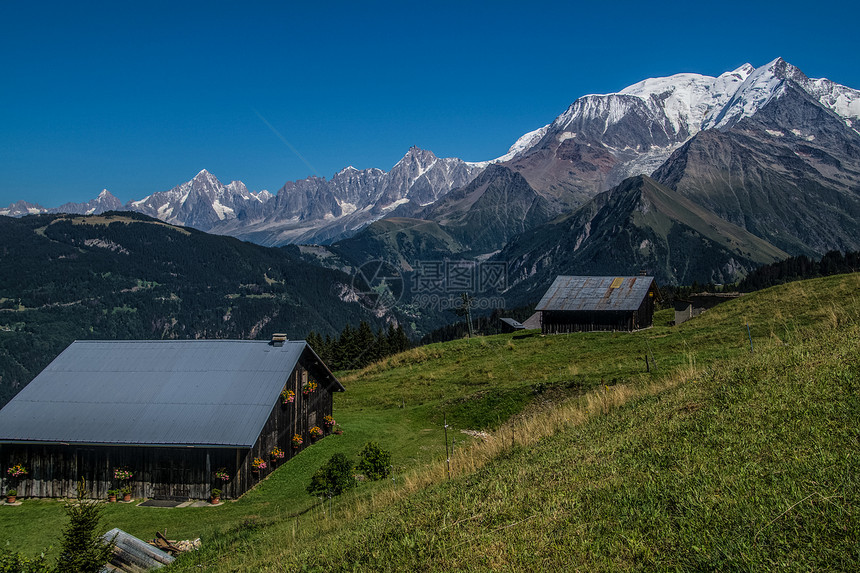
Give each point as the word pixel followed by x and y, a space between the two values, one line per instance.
pixel 585 304
pixel 168 419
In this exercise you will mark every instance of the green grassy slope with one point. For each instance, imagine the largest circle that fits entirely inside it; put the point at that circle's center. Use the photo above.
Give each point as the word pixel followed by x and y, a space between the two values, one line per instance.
pixel 614 467
pixel 753 466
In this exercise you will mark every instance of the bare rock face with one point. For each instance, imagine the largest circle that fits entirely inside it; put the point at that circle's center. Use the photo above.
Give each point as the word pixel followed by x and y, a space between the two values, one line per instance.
pixel 489 211
pixel 637 225
pixel 790 174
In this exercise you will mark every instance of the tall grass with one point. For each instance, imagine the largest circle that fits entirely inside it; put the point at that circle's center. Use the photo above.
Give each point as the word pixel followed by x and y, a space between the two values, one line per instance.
pixel 707 465
pixel 751 465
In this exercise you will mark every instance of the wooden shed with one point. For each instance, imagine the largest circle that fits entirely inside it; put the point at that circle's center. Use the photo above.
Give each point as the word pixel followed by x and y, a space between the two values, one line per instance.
pixel 172 413
pixel 584 304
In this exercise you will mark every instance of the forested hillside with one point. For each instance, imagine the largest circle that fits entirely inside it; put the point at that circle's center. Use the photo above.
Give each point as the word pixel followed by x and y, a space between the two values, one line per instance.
pixel 126 276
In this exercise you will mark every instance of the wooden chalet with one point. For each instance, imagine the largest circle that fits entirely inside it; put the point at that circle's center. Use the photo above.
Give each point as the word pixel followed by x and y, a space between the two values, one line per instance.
pixel 172 413
pixel 584 304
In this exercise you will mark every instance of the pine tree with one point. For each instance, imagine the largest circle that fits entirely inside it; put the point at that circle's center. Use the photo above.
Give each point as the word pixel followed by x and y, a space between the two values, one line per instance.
pixel 401 341
pixel 315 341
pixel 329 355
pixel 380 346
pixel 345 349
pixel 364 343
pixel 82 549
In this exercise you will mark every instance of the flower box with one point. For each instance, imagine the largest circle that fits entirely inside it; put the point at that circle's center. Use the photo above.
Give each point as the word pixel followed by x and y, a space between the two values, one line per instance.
pixel 258 464
pixel 309 387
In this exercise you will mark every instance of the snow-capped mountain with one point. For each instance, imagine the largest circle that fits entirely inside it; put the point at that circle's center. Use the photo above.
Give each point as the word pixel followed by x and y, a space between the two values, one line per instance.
pixel 768 82
pixel 105 201
pixel 319 210
pixel 21 208
pixel 602 139
pixel 201 203
pixel 598 141
pixel 772 167
pixel 314 209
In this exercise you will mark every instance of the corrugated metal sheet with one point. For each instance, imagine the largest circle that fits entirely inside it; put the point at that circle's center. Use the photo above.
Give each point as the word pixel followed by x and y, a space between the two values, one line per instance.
pixel 188 392
pixel 512 323
pixel 571 293
pixel 132 554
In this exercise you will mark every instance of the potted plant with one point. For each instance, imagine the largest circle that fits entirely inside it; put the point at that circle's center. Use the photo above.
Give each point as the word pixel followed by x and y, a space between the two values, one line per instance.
pixel 17 470
pixel 11 495
pixel 112 493
pixel 122 474
pixel 316 432
pixel 215 496
pixel 258 464
pixel 288 397
pixel 337 430
pixel 297 441
pixel 329 423
pixel 309 387
pixel 126 493
pixel 277 454
pixel 221 474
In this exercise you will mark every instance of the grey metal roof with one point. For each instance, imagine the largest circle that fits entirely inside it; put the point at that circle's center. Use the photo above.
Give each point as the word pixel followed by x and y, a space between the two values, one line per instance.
pixel 512 323
pixel 177 392
pixel 595 293
pixel 532 322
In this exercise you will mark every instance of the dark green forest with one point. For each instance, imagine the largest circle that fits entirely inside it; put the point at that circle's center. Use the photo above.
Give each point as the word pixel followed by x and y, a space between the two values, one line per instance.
pixel 358 347
pixel 126 276
pixel 799 268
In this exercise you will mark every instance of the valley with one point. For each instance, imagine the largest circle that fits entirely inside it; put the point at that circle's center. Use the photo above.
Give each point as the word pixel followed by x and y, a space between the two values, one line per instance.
pixel 718 456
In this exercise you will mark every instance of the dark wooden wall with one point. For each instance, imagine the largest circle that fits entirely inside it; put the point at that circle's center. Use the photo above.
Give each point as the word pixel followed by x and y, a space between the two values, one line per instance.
pixel 171 473
pixel 284 422
pixel 562 322
pixel 168 473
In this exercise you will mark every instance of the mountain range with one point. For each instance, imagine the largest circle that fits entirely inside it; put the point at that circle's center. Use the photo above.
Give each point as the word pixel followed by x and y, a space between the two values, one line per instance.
pixel 748 166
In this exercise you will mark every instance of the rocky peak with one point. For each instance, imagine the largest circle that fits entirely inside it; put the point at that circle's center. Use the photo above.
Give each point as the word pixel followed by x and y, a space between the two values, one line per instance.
pixel 416 158
pixel 207 181
pixel 21 208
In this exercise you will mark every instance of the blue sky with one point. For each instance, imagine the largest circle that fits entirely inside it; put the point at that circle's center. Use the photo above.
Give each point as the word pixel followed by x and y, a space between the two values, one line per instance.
pixel 138 97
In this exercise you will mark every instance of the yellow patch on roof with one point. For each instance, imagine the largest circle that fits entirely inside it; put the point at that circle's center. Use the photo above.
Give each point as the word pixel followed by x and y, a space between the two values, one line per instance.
pixel 616 282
